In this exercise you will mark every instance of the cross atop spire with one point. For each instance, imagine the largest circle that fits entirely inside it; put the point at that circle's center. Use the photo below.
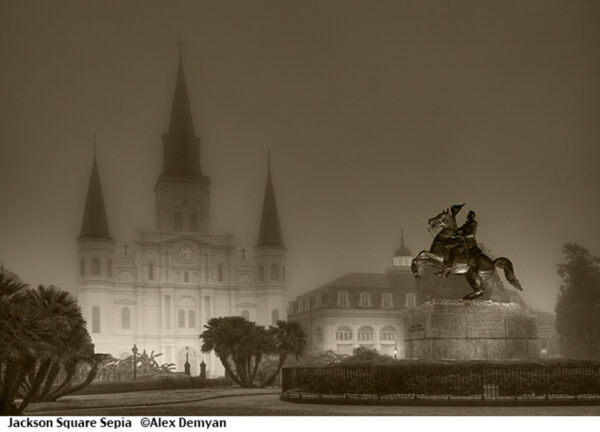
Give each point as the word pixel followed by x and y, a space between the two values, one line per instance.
pixel 180 44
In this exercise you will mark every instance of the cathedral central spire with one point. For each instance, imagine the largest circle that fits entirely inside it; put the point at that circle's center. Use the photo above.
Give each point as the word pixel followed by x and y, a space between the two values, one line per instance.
pixel 181 147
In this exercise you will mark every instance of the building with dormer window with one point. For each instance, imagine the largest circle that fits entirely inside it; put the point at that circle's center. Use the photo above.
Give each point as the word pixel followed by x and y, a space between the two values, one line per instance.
pixel 160 293
pixel 360 309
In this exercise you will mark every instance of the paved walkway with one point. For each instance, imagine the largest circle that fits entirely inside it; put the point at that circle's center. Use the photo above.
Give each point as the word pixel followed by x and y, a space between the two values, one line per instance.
pixel 260 402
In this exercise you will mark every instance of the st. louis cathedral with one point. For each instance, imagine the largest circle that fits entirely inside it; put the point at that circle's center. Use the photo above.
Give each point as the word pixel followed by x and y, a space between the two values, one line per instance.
pixel 159 294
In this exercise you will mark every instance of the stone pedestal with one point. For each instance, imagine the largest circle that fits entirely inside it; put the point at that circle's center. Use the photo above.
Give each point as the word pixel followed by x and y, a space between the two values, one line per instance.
pixel 471 330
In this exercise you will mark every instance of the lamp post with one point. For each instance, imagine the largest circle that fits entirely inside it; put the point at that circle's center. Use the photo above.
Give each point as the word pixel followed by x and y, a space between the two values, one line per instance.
pixel 544 352
pixel 187 363
pixel 395 352
pixel 134 350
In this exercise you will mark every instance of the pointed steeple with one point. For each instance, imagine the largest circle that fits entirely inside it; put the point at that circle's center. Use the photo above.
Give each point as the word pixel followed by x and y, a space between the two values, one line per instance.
pixel 181 147
pixel 270 228
pixel 94 223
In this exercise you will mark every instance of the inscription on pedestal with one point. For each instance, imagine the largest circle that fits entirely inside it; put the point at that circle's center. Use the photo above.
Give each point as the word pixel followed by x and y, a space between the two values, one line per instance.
pixel 485 326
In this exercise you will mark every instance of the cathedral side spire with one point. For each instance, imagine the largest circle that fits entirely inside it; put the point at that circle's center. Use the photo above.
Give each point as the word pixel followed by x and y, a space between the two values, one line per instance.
pixel 95 222
pixel 181 147
pixel 270 227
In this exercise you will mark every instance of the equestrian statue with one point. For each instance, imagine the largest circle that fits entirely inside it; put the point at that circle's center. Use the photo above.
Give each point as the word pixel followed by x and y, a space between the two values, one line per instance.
pixel 454 251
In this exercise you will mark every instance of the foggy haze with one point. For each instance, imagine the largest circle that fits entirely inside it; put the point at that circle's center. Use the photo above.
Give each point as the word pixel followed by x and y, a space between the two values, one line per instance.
pixel 377 114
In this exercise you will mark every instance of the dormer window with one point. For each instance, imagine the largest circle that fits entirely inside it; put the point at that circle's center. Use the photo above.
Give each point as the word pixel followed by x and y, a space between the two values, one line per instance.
pixel 387 300
pixel 343 299
pixel 365 300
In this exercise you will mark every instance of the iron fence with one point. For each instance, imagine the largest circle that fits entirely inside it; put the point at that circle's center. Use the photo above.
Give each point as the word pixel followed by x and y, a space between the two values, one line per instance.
pixel 451 380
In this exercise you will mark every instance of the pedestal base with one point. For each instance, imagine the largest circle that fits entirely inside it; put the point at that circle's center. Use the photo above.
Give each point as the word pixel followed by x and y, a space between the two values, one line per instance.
pixel 471 330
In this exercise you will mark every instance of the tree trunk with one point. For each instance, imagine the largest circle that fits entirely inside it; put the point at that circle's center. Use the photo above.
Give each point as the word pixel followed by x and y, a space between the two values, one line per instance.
pixel 87 382
pixel 40 375
pixel 50 378
pixel 70 370
pixel 273 377
pixel 230 373
pixel 15 373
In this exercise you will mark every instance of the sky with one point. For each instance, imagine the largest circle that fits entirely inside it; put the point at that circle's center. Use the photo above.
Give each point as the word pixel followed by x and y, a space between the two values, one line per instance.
pixel 377 114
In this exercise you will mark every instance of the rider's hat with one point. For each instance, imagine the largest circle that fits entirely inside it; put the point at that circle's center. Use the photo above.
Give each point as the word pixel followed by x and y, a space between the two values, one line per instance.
pixel 456 208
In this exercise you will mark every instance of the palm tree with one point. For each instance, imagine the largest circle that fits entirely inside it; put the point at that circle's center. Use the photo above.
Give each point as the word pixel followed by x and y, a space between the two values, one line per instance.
pixel 239 345
pixel 287 338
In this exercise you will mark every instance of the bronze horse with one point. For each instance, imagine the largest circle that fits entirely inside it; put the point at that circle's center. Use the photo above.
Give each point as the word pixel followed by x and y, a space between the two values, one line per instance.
pixel 477 267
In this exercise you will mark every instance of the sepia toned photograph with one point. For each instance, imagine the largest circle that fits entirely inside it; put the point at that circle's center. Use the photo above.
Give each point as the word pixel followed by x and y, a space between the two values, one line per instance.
pixel 297 208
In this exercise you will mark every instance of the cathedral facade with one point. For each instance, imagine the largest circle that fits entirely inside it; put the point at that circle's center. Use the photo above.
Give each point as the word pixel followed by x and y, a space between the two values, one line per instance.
pixel 159 294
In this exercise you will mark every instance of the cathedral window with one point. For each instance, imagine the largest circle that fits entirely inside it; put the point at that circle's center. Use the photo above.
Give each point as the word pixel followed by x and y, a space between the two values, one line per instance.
pixel 343 333
pixel 95 319
pixel 181 318
pixel 365 333
pixel 388 333
pixel 274 316
pixel 387 300
pixel 220 273
pixel 177 221
pixel 261 273
pixel 150 271
pixel 343 299
pixel 109 268
pixel 365 300
pixel 82 267
pixel 246 315
pixel 96 267
pixel 274 272
pixel 186 277
pixel 193 222
pixel 191 319
pixel 125 319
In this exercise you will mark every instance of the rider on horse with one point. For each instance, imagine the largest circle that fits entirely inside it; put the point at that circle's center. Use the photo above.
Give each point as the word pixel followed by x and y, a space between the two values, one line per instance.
pixel 463 243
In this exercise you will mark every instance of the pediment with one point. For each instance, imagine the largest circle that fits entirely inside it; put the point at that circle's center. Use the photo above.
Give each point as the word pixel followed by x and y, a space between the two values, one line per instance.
pixel 125 301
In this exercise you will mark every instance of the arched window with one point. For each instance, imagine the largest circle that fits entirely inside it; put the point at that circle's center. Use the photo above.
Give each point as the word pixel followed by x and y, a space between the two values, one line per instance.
pixel 274 272
pixel 186 277
pixel 191 319
pixel 246 315
pixel 274 316
pixel 388 333
pixel 82 267
pixel 95 267
pixel 220 273
pixel 150 271
pixel 181 318
pixel 125 319
pixel 343 333
pixel 95 319
pixel 365 333
pixel 261 273
pixel 109 268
